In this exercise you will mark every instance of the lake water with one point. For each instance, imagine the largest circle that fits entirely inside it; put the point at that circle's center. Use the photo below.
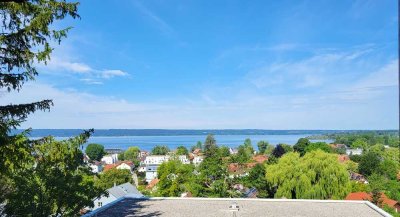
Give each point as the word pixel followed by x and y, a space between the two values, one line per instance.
pixel 148 142
pixel 146 139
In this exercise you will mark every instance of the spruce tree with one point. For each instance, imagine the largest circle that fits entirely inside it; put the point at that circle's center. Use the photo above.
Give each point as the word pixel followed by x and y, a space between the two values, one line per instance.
pixel 42 177
pixel 24 42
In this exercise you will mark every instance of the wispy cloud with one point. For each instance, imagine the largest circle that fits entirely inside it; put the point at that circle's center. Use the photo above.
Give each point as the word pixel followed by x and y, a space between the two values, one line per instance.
pixel 91 81
pixel 162 25
pixel 326 109
pixel 90 74
pixel 313 71
pixel 112 73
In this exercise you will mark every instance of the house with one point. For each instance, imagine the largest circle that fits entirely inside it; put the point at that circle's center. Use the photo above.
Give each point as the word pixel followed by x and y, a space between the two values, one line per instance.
pixel 358 178
pixel 337 146
pixel 354 151
pixel 156 159
pixel 233 151
pixel 141 169
pixel 143 154
pixel 367 196
pixel 152 184
pixel 152 163
pixel 184 159
pixel 113 150
pixel 110 159
pixel 151 172
pixel 260 158
pixel 187 194
pixel 196 151
pixel 86 158
pixel 128 165
pixel 251 193
pixel 109 167
pixel 197 160
pixel 238 187
pixel 237 170
pixel 343 158
pixel 117 192
pixel 96 167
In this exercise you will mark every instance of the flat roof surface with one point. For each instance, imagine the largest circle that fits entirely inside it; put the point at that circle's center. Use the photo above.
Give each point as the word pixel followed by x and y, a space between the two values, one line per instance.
pixel 176 207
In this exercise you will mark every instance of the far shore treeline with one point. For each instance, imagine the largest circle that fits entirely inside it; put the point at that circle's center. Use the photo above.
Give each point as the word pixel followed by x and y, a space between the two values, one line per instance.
pixel 317 134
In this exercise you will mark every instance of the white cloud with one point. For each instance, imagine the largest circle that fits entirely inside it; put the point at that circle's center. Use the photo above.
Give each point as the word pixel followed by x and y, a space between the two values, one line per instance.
pixel 91 81
pixel 367 102
pixel 58 64
pixel 112 73
pixel 91 75
pixel 313 71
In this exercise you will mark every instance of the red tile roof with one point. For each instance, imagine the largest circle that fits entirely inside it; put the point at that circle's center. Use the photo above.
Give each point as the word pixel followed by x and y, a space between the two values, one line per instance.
pixel 251 165
pixel 130 163
pixel 109 166
pixel 260 158
pixel 235 167
pixel 197 151
pixel 367 196
pixel 152 183
pixel 343 158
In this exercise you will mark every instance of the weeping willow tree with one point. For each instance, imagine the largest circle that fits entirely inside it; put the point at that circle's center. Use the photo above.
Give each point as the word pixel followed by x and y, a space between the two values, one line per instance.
pixel 317 175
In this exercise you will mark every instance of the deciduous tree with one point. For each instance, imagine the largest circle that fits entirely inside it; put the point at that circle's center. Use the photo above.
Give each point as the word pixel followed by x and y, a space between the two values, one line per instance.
pixel 113 176
pixel 95 151
pixel 301 145
pixel 369 163
pixel 160 150
pixel 182 150
pixel 262 146
pixel 53 182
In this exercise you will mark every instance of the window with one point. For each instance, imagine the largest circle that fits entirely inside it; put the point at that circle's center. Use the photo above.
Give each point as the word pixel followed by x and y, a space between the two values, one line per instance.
pixel 99 204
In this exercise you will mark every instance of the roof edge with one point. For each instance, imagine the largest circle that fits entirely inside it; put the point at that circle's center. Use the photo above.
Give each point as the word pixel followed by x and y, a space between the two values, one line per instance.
pixel 369 204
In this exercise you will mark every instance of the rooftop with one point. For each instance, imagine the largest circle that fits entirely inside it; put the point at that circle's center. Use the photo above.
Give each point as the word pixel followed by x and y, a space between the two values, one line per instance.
pixel 124 189
pixel 367 196
pixel 176 207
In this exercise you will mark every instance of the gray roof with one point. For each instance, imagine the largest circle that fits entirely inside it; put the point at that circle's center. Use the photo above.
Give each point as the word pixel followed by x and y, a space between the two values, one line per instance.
pixel 176 207
pixel 123 190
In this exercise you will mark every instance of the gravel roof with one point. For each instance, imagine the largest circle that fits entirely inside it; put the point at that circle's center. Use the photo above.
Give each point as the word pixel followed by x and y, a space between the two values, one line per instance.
pixel 176 207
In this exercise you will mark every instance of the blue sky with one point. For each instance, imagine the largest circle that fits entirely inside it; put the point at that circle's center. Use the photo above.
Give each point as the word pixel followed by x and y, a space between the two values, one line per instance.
pixel 223 64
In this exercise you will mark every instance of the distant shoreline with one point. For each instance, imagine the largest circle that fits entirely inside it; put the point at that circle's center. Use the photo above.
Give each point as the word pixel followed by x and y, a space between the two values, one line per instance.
pixel 186 132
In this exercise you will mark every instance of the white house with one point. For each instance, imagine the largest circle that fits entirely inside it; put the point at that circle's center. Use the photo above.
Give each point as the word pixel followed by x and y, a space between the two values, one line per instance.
pixel 86 158
pixel 152 162
pixel 197 160
pixel 233 151
pixel 96 167
pixel 126 165
pixel 356 151
pixel 156 159
pixel 184 159
pixel 110 159
pixel 142 169
pixel 116 192
pixel 151 172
